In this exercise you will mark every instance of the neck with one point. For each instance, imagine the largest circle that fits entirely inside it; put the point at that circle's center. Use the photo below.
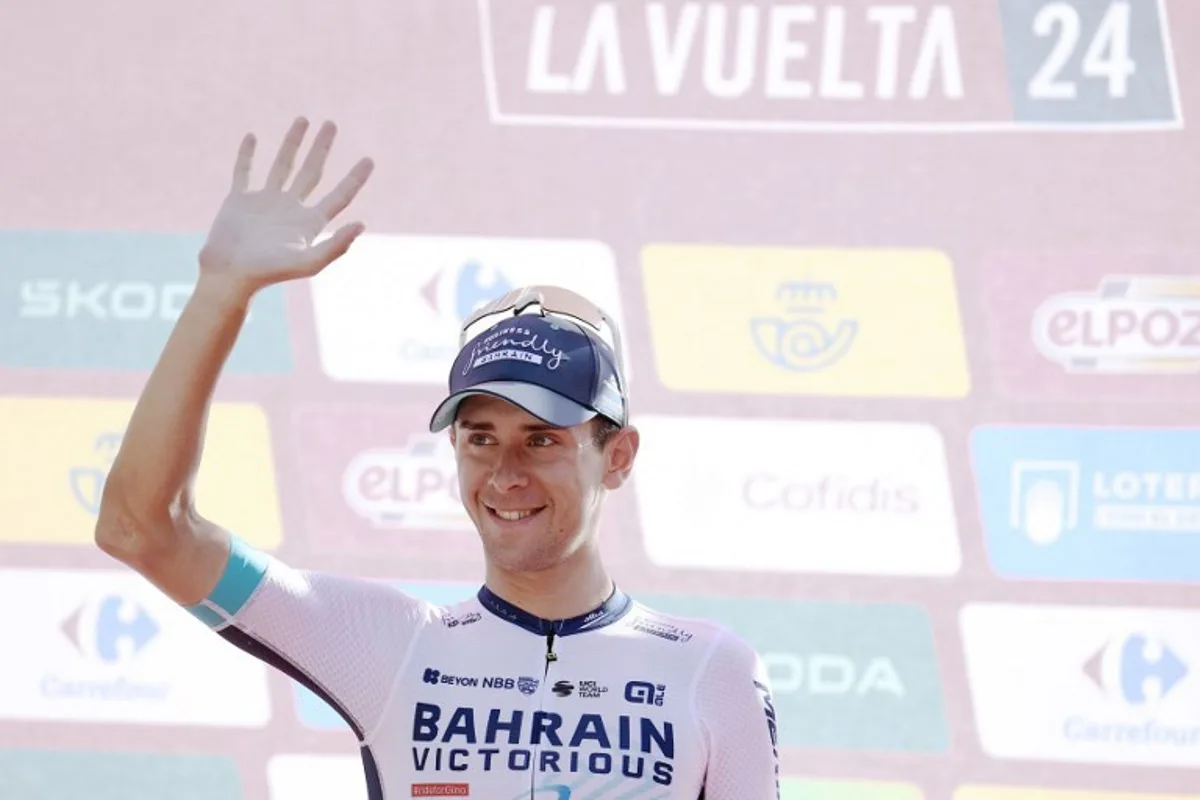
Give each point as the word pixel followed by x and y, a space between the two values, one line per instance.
pixel 566 590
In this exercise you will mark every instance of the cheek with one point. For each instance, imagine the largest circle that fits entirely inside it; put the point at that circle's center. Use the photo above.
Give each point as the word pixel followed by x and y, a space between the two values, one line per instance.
pixel 469 477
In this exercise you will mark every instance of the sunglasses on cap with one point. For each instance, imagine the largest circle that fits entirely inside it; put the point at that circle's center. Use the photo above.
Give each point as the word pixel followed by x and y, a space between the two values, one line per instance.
pixel 550 300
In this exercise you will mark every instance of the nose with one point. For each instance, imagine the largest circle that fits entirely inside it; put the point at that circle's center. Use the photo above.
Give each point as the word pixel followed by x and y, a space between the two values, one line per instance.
pixel 508 474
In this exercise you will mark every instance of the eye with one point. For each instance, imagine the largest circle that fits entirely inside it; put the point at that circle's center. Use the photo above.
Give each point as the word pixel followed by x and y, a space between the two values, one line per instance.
pixel 541 440
pixel 479 439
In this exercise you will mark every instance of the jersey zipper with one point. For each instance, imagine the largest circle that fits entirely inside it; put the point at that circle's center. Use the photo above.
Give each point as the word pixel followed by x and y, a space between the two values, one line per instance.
pixel 551 657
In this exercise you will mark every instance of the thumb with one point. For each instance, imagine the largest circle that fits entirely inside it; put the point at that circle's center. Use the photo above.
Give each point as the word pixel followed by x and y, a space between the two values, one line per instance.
pixel 335 246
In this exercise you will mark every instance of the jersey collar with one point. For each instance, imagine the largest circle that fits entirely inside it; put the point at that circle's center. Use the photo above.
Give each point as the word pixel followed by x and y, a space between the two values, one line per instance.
pixel 603 615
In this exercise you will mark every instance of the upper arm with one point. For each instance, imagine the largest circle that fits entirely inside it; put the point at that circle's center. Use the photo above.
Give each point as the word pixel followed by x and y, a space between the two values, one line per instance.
pixel 185 565
pixel 343 638
pixel 737 713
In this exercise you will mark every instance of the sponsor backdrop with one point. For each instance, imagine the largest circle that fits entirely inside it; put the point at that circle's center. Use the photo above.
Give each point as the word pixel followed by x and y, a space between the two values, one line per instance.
pixel 911 295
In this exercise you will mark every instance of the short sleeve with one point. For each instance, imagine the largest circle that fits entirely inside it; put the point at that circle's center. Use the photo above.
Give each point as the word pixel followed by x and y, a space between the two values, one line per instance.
pixel 344 638
pixel 737 714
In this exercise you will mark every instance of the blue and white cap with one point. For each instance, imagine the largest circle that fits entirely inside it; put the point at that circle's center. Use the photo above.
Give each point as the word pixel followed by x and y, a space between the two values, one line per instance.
pixel 550 367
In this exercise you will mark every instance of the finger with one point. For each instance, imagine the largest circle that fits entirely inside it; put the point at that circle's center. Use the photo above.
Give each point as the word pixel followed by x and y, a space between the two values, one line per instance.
pixel 241 166
pixel 333 248
pixel 314 165
pixel 286 156
pixel 341 195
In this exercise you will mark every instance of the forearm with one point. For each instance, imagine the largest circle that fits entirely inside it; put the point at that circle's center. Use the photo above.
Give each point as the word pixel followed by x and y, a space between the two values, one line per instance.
pixel 154 471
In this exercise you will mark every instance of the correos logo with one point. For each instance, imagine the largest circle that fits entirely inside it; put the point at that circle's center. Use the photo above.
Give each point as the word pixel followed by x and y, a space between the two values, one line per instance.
pixel 806 333
pixel 756 320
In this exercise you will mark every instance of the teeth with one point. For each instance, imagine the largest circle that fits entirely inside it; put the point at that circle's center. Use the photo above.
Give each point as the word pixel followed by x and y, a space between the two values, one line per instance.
pixel 512 516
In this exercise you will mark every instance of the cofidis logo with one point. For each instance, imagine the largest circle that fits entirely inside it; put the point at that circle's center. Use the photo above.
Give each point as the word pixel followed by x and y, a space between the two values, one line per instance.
pixel 59 451
pixel 1090 503
pixel 108 300
pixel 808 322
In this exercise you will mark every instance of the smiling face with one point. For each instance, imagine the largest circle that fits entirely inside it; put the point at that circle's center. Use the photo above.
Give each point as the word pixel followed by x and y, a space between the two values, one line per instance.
pixel 534 491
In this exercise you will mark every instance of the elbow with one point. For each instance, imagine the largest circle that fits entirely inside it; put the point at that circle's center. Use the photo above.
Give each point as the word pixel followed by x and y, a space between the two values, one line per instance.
pixel 132 531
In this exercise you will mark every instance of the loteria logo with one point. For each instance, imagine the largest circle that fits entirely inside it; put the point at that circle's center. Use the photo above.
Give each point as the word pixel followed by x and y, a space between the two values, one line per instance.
pixel 1090 503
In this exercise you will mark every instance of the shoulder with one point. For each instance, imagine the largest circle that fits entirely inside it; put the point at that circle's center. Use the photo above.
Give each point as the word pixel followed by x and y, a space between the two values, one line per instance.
pixel 708 639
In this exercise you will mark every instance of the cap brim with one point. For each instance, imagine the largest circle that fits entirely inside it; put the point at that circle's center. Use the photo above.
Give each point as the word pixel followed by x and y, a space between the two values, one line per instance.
pixel 548 406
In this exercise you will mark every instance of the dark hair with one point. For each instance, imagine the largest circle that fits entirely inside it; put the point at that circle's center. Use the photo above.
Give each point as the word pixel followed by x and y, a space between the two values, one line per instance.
pixel 603 429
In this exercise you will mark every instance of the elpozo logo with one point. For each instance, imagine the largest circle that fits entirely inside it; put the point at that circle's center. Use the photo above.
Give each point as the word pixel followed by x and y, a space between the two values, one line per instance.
pixel 1090 503
pixel 109 299
pixel 758 320
pixel 1131 324
pixel 412 487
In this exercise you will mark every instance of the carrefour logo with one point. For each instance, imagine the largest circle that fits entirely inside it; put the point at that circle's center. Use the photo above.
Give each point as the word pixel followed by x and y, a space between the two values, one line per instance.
pixel 109 635
pixel 1137 669
pixel 113 631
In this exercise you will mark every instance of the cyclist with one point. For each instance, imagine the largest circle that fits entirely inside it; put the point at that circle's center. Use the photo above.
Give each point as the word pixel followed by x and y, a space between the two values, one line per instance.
pixel 551 682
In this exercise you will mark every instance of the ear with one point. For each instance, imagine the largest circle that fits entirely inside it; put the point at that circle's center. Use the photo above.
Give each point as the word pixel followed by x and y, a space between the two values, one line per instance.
pixel 453 431
pixel 619 457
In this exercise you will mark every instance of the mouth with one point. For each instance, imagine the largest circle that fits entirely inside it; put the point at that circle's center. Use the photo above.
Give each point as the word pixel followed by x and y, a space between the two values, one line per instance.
pixel 512 515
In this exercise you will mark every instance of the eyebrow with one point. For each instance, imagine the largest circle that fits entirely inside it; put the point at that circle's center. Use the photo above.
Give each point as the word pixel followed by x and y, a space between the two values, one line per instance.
pixel 472 425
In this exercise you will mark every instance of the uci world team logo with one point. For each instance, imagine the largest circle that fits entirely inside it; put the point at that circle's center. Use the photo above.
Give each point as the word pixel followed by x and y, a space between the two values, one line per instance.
pixel 807 333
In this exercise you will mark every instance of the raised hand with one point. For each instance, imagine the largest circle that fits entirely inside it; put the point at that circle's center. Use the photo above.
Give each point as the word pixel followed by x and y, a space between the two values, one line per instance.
pixel 267 236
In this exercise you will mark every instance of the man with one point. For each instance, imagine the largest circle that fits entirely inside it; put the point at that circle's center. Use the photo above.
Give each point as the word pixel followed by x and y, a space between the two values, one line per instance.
pixel 550 683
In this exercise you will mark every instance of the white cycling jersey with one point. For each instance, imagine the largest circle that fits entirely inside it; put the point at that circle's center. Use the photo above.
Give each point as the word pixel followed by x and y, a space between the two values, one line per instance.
pixel 481 699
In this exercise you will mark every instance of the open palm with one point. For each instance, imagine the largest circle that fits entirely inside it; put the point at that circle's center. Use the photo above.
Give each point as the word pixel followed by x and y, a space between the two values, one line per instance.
pixel 268 236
